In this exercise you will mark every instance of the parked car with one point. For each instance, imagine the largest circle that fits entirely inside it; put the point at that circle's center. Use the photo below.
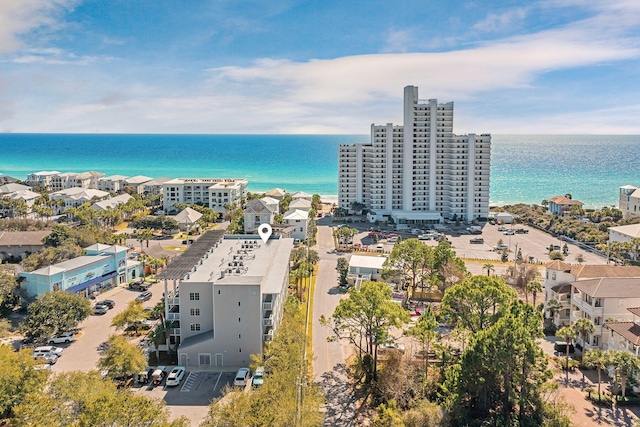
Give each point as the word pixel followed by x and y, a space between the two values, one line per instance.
pixel 560 347
pixel 51 359
pixel 477 240
pixel 502 228
pixel 187 241
pixel 242 377
pixel 521 231
pixel 49 349
pixel 258 377
pixel 65 337
pixel 158 375
pixel 99 310
pixel 139 285
pixel 109 303
pixel 424 237
pixel 144 296
pixel 175 376
pixel 501 247
pixel 391 346
pixel 509 233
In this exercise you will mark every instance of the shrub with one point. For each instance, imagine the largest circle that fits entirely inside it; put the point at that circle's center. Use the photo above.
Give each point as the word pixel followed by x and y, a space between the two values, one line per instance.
pixel 550 330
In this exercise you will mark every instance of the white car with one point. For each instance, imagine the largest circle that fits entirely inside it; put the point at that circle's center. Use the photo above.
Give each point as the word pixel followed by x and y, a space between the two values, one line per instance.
pixel 175 376
pixel 49 358
pixel 48 349
pixel 65 337
pixel 258 377
pixel 242 377
pixel 424 237
pixel 392 239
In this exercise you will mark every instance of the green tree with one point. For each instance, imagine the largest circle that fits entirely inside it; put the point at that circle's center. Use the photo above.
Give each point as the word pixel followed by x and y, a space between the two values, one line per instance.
pixel 425 332
pixel 388 416
pixel 342 268
pixel 553 306
pixel 121 358
pixel 50 256
pixel 364 319
pixel 533 287
pixel 475 303
pixel 85 399
pixel 583 327
pixel 489 267
pixel 596 359
pixel 568 334
pixel 54 313
pixel 19 378
pixel 500 376
pixel 130 316
pixel 624 364
pixel 410 258
pixel 7 283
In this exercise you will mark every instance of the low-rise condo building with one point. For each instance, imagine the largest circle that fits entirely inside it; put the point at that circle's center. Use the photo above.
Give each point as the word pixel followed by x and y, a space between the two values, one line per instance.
pixel 418 173
pixel 562 205
pixel 258 212
pixel 103 267
pixel 216 193
pixel 113 183
pixel 227 293
pixel 74 197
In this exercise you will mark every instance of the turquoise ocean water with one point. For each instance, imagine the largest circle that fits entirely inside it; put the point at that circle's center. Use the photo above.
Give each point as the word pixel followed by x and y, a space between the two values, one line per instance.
pixel 524 168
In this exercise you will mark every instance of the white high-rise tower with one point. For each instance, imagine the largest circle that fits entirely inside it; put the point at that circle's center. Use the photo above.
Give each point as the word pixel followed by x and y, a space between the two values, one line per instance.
pixel 419 173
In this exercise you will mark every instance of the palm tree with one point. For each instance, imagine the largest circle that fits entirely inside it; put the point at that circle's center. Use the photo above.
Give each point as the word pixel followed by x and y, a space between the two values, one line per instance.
pixel 489 268
pixel 597 359
pixel 567 334
pixel 157 337
pixel 583 327
pixel 553 306
pixel 534 287
pixel 624 363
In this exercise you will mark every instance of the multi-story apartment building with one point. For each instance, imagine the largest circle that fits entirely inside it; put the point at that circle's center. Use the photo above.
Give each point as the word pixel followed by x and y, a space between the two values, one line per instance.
pixel 227 293
pixel 74 197
pixel 629 201
pixel 113 183
pixel 559 277
pixel 258 212
pixel 603 300
pixel 41 179
pixel 215 193
pixel 419 172
pixel 137 183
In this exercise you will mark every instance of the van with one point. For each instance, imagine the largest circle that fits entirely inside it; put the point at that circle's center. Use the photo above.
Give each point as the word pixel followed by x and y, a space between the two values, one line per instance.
pixel 560 347
pixel 242 377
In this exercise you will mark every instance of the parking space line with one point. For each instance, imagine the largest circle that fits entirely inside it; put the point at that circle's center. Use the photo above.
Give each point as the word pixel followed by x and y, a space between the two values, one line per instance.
pixel 215 387
pixel 190 381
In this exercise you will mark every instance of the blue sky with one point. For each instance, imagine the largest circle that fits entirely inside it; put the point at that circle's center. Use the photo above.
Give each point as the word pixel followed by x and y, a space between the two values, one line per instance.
pixel 324 66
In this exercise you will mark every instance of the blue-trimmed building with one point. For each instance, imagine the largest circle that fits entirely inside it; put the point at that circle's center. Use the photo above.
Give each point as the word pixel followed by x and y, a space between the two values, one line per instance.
pixel 103 267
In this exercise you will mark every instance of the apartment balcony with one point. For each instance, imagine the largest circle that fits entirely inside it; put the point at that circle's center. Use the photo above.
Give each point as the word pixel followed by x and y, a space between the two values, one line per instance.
pixel 267 320
pixel 267 305
pixel 173 316
pixel 268 336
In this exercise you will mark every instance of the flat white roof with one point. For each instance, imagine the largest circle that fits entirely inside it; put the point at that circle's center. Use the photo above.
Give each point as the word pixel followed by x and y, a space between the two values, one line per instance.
pixel 367 261
pixel 263 264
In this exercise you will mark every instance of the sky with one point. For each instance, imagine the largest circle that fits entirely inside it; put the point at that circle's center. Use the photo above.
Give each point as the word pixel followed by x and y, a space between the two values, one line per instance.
pixel 319 67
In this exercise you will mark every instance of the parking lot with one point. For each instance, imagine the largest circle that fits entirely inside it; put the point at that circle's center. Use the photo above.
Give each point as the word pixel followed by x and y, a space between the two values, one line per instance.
pixel 533 245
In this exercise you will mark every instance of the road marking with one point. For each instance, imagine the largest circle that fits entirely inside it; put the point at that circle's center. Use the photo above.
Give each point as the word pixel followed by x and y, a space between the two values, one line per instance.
pixel 188 383
pixel 217 381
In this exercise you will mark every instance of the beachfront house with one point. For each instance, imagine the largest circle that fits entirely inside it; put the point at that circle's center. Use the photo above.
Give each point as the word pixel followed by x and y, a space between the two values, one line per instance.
pixel 562 205
pixel 217 193
pixel 300 204
pixel 113 183
pixel 301 195
pixel 111 203
pixel 629 202
pixel 136 183
pixel 276 193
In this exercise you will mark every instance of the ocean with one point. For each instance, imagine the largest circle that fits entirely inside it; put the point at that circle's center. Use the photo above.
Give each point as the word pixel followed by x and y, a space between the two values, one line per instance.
pixel 524 168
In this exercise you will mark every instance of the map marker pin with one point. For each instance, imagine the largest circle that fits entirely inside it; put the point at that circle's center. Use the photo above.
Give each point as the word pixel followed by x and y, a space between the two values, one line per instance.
pixel 265 232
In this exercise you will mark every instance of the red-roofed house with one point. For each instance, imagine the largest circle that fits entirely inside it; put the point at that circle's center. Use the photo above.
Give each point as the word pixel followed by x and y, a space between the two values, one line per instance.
pixel 562 205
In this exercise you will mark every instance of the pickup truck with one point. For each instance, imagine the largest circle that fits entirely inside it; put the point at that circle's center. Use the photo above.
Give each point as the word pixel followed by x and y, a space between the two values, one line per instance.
pixel 139 286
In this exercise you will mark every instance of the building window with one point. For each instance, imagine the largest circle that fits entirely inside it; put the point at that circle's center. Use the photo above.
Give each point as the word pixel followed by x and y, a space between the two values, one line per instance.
pixel 194 296
pixel 195 327
pixel 194 311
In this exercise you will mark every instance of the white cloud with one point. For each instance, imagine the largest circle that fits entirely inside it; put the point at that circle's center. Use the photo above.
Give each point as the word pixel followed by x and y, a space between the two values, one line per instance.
pixel 18 17
pixel 498 22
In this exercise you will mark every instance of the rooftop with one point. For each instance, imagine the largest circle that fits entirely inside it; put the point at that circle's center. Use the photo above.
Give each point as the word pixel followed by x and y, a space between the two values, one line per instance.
pixel 367 261
pixel 628 330
pixel 17 238
pixel 610 287
pixel 632 230
pixel 181 265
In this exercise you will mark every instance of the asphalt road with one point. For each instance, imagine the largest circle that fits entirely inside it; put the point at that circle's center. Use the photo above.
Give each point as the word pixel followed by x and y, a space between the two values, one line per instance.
pixel 329 363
